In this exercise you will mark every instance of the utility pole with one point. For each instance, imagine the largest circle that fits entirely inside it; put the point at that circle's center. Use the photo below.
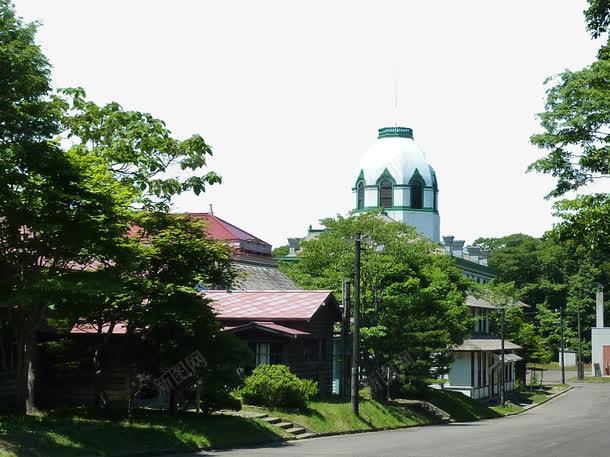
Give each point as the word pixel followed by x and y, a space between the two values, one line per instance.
pixel 581 371
pixel 345 339
pixel 502 385
pixel 563 365
pixel 356 333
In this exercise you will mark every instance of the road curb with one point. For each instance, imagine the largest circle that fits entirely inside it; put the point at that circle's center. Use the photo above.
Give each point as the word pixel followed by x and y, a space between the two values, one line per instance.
pixel 529 408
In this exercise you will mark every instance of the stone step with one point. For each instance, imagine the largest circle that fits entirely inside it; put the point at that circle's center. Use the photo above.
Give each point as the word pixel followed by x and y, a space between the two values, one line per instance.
pixel 257 415
pixel 272 420
pixel 296 430
pixel 284 425
pixel 306 435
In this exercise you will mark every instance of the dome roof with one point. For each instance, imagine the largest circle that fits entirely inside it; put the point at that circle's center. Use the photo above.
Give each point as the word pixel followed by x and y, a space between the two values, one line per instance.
pixel 396 152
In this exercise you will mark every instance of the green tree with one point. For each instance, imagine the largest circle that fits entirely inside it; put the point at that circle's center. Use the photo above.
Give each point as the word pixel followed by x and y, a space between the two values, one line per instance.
pixel 598 17
pixel 67 210
pixel 52 201
pixel 575 133
pixel 548 274
pixel 151 290
pixel 138 148
pixel 413 298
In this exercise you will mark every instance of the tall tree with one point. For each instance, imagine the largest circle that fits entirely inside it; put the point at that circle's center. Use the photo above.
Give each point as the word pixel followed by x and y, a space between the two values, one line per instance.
pixel 413 298
pixel 52 201
pixel 548 274
pixel 576 135
pixel 66 209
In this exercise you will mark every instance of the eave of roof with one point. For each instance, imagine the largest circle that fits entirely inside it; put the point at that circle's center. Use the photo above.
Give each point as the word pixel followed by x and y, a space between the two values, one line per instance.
pixel 486 344
pixel 270 327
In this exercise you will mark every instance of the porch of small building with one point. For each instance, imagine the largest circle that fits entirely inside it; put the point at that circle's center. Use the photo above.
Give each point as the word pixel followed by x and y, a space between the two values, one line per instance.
pixel 477 374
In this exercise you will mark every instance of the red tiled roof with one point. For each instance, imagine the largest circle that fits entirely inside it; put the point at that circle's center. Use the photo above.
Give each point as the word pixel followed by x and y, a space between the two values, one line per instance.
pixel 270 305
pixel 269 326
pixel 221 230
pixel 119 328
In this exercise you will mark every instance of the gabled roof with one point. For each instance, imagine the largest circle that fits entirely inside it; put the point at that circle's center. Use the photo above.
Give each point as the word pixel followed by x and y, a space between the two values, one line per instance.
pixel 475 302
pixel 270 305
pixel 259 277
pixel 270 327
pixel 221 230
pixel 488 343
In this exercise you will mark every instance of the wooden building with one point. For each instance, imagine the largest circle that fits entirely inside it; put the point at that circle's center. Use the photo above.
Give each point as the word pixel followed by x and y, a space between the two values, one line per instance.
pixel 290 327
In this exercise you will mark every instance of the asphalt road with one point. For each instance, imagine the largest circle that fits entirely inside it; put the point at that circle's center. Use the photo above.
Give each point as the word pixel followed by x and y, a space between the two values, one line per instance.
pixel 575 424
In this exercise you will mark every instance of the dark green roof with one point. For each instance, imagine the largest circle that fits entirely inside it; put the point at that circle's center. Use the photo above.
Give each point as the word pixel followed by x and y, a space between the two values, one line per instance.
pixel 401 132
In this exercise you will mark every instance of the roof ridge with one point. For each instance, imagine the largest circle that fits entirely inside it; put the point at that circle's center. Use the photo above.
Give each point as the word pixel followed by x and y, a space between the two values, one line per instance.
pixel 236 227
pixel 255 291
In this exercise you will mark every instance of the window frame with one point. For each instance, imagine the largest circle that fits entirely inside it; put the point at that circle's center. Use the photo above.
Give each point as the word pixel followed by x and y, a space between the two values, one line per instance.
pixel 360 194
pixel 380 189
pixel 416 182
pixel 263 357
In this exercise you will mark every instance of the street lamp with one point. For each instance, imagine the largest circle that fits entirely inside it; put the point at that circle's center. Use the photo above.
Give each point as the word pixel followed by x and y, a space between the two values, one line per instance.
pixel 563 365
pixel 563 348
pixel 502 308
pixel 581 371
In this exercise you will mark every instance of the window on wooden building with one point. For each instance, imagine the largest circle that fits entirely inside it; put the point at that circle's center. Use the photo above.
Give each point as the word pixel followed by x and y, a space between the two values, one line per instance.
pixel 263 354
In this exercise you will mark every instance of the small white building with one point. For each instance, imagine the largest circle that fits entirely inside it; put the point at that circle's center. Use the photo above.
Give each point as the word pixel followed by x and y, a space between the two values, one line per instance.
pixel 569 357
pixel 600 338
pixel 476 368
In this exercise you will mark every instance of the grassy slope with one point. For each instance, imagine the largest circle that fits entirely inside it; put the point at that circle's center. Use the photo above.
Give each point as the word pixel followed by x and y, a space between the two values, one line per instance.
pixel 536 396
pixel 78 434
pixel 459 406
pixel 337 417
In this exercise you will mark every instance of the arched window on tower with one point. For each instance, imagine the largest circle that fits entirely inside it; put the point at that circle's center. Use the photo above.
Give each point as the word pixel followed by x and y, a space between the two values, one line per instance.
pixel 386 199
pixel 417 194
pixel 360 203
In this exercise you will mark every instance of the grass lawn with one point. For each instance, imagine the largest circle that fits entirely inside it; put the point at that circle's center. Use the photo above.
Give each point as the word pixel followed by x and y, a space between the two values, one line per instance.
pixel 337 416
pixel 554 366
pixel 80 433
pixel 592 379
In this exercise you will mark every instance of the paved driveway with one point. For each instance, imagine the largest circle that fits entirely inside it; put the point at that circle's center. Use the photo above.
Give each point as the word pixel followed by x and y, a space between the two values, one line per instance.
pixel 575 424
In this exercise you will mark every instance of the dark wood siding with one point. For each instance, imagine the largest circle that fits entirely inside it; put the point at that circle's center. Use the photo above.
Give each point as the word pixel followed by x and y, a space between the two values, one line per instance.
pixel 308 356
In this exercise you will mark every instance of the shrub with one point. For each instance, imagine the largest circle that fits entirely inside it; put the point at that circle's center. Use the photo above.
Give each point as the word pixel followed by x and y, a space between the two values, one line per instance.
pixel 277 386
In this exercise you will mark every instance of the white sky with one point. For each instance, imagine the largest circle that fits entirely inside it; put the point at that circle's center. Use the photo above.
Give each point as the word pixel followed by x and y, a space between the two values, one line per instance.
pixel 291 94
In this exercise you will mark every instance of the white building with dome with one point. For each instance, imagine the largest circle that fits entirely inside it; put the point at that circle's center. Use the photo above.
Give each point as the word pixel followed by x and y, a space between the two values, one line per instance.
pixel 394 176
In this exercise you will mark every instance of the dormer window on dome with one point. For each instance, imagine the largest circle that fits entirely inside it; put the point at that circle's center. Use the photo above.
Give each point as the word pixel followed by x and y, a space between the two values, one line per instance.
pixel 360 190
pixel 417 191
pixel 386 189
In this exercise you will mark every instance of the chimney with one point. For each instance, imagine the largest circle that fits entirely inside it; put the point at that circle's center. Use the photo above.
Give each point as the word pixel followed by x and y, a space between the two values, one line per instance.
pixel 211 209
pixel 457 248
pixel 484 256
pixel 599 306
pixel 474 253
pixel 447 240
